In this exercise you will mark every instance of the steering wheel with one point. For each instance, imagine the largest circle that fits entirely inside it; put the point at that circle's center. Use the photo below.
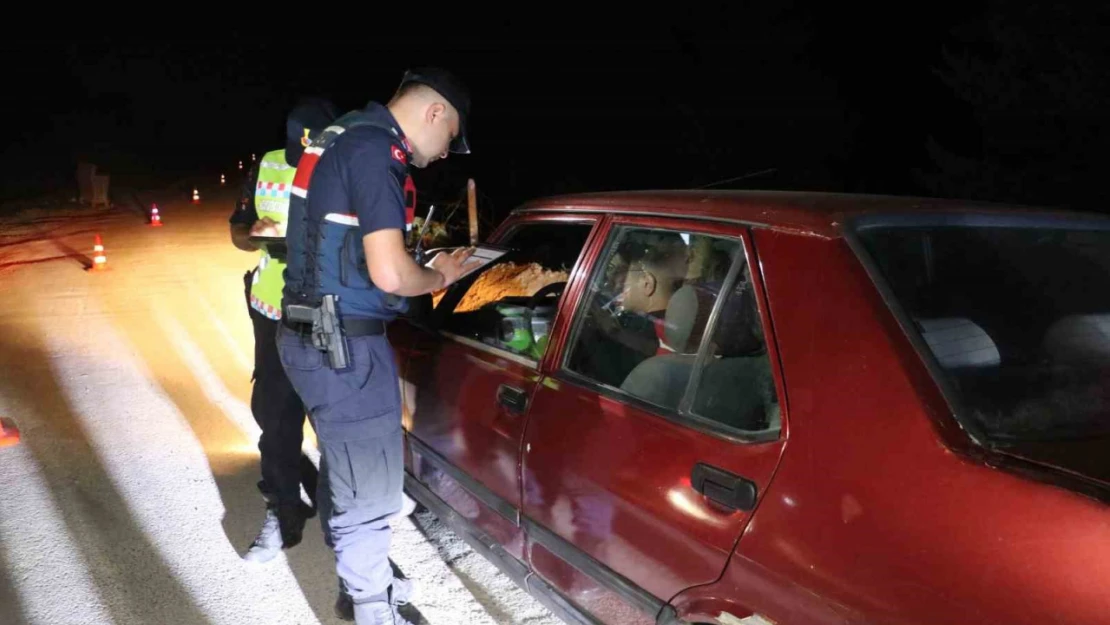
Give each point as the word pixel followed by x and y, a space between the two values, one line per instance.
pixel 554 287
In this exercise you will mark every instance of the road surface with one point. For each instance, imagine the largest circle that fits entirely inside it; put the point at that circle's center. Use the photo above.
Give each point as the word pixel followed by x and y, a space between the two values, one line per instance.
pixel 132 496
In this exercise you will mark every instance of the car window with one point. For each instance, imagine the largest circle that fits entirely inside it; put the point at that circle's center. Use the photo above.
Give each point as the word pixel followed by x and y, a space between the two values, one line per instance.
pixel 646 329
pixel 511 305
pixel 1017 317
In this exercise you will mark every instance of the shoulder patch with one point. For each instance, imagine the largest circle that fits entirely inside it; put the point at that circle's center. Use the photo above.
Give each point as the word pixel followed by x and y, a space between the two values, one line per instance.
pixel 398 154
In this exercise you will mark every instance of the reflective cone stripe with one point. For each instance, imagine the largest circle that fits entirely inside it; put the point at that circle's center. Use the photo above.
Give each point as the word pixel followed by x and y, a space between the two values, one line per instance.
pixel 99 259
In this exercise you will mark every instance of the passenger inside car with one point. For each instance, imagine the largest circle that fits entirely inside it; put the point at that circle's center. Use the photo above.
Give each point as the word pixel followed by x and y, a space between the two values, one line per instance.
pixel 665 286
pixel 626 318
pixel 661 379
pixel 652 271
pixel 735 387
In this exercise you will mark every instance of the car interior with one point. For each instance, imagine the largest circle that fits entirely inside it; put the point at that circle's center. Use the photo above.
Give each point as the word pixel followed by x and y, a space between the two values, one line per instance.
pixel 1017 318
pixel 511 304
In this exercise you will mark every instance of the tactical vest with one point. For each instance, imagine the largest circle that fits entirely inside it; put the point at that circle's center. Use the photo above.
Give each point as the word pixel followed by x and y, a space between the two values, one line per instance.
pixel 271 199
pixel 333 240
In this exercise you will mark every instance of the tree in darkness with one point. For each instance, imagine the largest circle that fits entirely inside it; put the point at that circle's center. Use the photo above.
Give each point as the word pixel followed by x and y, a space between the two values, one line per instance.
pixel 1034 79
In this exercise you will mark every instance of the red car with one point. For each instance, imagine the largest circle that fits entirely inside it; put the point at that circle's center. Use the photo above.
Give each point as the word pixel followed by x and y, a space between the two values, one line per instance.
pixel 790 408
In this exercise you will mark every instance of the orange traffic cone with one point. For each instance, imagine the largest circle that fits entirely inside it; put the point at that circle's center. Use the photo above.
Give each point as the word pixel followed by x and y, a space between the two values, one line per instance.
pixel 100 261
pixel 9 434
pixel 196 196
pixel 155 218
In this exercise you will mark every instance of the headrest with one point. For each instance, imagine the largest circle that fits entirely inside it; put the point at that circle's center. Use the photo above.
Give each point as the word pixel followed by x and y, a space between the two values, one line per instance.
pixel 686 317
pixel 957 342
pixel 1079 339
pixel 740 330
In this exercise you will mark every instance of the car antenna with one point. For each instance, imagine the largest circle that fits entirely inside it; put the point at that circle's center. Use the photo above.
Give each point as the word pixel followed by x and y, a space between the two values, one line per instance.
pixel 418 250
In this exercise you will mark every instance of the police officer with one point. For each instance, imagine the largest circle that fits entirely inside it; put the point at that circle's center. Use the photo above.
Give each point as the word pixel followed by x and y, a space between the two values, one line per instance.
pixel 263 210
pixel 345 237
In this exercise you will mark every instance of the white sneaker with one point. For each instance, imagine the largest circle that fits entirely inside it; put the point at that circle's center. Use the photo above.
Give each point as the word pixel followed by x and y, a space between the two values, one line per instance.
pixel 268 542
pixel 401 593
pixel 379 613
pixel 408 506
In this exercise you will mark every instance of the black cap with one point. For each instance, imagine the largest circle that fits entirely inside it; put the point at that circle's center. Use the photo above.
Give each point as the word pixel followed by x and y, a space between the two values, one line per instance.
pixel 449 86
pixel 310 114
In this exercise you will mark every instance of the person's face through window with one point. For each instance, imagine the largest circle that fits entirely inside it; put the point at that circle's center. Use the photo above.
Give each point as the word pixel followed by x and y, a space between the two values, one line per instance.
pixel 637 289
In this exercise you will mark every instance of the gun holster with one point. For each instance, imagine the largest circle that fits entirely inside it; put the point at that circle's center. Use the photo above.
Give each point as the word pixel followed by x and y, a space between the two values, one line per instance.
pixel 327 331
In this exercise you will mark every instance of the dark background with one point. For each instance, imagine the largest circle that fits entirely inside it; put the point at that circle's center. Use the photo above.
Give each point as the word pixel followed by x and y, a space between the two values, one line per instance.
pixel 998 100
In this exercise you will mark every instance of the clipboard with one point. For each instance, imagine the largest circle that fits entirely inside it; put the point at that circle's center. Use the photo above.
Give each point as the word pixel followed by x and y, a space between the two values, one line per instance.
pixel 484 252
pixel 274 246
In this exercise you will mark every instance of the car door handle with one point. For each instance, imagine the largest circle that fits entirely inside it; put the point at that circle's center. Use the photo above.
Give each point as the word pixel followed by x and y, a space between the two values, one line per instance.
pixel 728 489
pixel 512 398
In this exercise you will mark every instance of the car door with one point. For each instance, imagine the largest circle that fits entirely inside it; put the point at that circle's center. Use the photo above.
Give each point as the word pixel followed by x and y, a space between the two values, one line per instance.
pixel 658 424
pixel 467 383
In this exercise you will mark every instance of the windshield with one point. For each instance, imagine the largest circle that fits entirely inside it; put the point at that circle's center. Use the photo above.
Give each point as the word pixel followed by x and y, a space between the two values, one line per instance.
pixel 1018 318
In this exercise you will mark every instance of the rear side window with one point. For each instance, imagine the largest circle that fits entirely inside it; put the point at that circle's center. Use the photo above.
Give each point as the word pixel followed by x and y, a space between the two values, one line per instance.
pixel 1016 315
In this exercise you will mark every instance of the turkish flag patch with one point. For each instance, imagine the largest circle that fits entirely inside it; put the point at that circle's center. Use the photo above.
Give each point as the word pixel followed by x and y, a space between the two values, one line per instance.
pixel 397 153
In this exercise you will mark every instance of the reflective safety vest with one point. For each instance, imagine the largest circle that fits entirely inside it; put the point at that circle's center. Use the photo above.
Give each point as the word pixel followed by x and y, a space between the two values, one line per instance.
pixel 271 199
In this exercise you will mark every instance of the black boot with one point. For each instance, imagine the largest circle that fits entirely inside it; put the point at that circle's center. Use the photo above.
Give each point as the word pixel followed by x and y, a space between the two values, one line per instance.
pixel 344 608
pixel 291 520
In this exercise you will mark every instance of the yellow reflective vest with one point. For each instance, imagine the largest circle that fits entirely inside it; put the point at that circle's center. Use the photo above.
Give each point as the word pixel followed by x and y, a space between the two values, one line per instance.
pixel 271 199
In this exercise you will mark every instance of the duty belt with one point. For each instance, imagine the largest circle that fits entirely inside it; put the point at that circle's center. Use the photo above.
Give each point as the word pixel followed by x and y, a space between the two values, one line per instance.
pixel 352 326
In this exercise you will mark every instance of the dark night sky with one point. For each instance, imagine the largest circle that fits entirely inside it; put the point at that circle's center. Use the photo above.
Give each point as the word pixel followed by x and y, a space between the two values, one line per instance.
pixel 830 101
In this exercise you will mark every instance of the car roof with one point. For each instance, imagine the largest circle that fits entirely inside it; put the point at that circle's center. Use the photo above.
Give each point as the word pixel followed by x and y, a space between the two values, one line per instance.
pixel 815 213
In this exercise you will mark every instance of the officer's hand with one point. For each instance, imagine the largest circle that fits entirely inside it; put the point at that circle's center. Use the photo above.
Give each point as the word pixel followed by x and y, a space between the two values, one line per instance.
pixel 265 227
pixel 454 265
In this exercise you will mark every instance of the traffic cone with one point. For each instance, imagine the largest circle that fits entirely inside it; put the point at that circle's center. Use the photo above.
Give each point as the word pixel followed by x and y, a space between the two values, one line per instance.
pixel 155 218
pixel 196 196
pixel 100 261
pixel 9 434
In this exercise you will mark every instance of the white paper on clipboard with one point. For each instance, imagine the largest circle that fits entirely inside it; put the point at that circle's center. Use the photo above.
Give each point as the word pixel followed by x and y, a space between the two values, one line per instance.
pixel 484 253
